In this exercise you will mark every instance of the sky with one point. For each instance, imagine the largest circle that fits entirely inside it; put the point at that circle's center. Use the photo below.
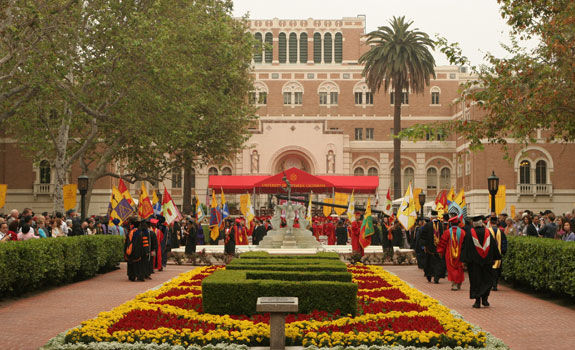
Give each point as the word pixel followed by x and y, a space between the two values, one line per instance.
pixel 475 24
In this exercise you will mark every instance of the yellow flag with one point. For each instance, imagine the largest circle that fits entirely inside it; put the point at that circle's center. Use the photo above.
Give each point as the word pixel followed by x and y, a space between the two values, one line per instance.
pixel 450 195
pixel 513 212
pixel 70 196
pixel 341 199
pixel 244 199
pixel 351 209
pixel 500 199
pixel 416 192
pixel 214 203
pixel 327 209
pixel 460 198
pixel 406 215
pixel 251 213
pixel 3 189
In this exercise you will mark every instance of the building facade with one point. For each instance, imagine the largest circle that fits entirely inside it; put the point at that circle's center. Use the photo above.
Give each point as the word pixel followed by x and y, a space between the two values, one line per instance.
pixel 316 113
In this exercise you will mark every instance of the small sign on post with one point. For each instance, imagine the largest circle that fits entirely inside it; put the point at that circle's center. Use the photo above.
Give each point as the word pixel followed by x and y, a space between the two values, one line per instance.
pixel 278 307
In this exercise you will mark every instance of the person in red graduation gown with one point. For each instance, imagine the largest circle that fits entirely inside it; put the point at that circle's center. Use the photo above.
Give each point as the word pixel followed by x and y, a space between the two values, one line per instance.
pixel 240 233
pixel 159 236
pixel 354 233
pixel 450 248
pixel 329 231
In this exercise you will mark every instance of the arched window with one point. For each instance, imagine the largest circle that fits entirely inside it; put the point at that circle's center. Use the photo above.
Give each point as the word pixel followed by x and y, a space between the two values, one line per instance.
pixel 282 48
pixel 358 171
pixel 260 94
pixel 213 171
pixel 328 93
pixel 372 171
pixel 269 51
pixel 525 172
pixel 293 48
pixel 177 178
pixel 431 179
pixel 435 91
pixel 327 48
pixel 541 172
pixel 408 176
pixel 303 48
pixel 445 178
pixel 227 171
pixel 45 172
pixel 362 94
pixel 258 53
pixel 293 93
pixel 317 48
pixel 338 48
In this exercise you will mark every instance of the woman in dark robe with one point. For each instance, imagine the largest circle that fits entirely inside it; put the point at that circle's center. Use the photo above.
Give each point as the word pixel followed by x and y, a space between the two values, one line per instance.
pixel 134 254
pixel 229 240
pixel 191 232
pixel 341 233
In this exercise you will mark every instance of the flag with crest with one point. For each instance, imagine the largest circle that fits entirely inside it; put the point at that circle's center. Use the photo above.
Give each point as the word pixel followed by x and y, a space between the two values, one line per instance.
pixel 366 230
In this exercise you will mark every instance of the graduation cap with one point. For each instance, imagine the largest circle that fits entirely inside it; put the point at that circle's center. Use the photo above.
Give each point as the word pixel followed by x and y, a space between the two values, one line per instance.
pixel 116 221
pixel 446 217
pixel 478 218
pixel 455 219
pixel 493 219
pixel 434 213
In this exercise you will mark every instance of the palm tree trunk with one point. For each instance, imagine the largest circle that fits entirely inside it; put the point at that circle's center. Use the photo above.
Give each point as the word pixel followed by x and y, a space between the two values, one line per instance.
pixel 398 86
pixel 187 195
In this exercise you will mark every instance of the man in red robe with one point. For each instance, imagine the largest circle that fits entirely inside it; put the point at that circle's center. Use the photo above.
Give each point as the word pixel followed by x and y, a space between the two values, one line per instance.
pixel 240 233
pixel 355 228
pixel 450 248
pixel 329 231
pixel 160 237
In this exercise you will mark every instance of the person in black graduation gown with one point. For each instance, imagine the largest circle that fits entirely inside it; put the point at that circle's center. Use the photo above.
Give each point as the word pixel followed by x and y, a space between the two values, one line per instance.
pixel 341 233
pixel 134 254
pixel 229 240
pixel 191 232
pixel 418 246
pixel 479 251
pixel 433 265
pixel 259 232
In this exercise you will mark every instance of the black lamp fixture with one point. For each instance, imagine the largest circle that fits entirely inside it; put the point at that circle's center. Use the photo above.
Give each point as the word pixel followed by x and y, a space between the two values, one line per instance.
pixel 421 198
pixel 493 187
pixel 83 188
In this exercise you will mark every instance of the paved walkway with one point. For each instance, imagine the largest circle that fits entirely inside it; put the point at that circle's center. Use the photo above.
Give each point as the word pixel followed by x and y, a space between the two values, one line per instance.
pixel 29 322
pixel 522 321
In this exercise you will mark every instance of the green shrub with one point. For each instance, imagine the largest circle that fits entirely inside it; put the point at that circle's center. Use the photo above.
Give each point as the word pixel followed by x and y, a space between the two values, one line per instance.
pixel 266 255
pixel 230 292
pixel 542 264
pixel 308 268
pixel 299 276
pixel 35 264
pixel 305 261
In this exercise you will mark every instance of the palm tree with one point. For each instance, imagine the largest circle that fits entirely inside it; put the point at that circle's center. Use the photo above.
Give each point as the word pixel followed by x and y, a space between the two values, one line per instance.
pixel 399 57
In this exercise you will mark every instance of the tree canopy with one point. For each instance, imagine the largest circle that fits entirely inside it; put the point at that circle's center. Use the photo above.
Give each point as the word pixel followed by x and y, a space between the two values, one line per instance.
pixel 122 88
pixel 533 89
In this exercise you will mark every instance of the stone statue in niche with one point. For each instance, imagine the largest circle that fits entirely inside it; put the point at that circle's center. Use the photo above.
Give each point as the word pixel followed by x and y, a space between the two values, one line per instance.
pixel 330 162
pixel 255 160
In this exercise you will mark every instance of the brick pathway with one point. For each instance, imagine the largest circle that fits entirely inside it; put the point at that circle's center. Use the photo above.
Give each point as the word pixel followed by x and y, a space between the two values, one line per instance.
pixel 522 321
pixel 30 322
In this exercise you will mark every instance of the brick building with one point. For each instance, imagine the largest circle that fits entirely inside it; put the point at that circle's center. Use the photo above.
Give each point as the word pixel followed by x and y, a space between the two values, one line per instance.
pixel 316 113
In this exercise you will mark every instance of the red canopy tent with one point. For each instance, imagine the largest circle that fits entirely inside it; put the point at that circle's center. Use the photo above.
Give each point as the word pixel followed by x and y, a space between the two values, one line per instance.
pixel 301 182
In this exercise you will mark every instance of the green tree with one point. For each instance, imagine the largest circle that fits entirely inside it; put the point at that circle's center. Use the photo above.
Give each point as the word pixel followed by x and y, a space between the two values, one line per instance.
pixel 120 86
pixel 532 89
pixel 398 57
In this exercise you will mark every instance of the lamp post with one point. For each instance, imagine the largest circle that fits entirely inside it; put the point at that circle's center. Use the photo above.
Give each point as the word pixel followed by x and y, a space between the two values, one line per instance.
pixel 493 186
pixel 421 198
pixel 83 188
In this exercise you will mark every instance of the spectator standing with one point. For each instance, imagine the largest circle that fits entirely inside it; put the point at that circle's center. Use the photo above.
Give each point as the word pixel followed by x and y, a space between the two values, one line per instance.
pixel 13 229
pixel 549 229
pixel 4 236
pixel 341 233
pixel 41 225
pixel 569 234
pixel 529 229
pixel 560 231
pixel 26 233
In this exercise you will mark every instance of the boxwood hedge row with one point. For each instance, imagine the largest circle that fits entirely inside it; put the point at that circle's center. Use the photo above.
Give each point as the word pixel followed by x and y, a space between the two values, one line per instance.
pixel 35 264
pixel 542 264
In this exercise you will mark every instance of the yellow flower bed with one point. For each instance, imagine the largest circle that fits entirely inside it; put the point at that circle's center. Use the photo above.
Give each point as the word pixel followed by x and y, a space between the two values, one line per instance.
pixel 390 313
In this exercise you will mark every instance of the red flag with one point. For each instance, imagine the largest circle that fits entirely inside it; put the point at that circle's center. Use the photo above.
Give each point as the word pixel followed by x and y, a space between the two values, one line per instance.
pixel 124 191
pixel 169 209
pixel 388 201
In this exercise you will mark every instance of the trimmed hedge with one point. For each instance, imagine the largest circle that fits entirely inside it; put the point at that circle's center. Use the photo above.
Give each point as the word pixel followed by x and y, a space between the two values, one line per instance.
pixel 306 261
pixel 230 292
pixel 266 255
pixel 308 268
pixel 35 264
pixel 299 276
pixel 542 264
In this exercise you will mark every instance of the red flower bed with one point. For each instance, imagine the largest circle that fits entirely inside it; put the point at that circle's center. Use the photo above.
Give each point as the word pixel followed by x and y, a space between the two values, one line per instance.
pixel 391 294
pixel 153 319
pixel 371 283
pixel 376 307
pixel 397 324
pixel 186 304
pixel 192 283
pixel 179 291
pixel 315 315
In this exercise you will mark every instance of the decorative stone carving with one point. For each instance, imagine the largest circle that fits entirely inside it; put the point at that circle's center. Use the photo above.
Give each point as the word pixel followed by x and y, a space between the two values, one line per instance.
pixel 330 162
pixel 255 162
